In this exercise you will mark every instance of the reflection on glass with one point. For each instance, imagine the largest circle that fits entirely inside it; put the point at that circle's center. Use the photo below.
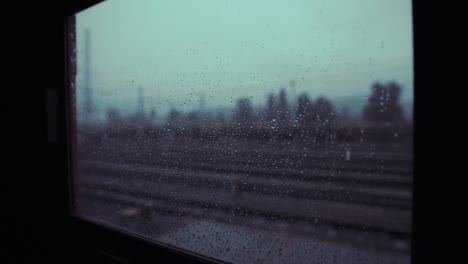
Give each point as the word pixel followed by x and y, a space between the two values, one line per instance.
pixel 249 131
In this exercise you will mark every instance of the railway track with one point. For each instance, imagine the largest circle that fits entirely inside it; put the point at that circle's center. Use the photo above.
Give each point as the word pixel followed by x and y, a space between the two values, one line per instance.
pixel 199 194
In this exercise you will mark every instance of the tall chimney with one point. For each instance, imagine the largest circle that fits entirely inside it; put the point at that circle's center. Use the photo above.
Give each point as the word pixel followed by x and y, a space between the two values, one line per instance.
pixel 87 76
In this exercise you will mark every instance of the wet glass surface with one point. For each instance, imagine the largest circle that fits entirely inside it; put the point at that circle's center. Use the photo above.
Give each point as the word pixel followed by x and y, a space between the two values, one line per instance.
pixel 249 131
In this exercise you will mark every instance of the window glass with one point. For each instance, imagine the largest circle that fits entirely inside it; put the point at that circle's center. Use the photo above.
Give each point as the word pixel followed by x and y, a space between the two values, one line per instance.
pixel 262 131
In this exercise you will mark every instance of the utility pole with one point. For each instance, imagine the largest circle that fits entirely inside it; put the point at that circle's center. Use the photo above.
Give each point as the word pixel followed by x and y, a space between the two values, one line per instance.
pixel 87 81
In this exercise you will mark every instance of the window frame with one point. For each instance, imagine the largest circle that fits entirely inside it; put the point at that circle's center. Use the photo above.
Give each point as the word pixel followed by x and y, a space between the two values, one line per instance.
pixel 109 242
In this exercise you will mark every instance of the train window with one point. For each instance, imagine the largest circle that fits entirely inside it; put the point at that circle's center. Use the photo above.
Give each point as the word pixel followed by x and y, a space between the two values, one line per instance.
pixel 262 131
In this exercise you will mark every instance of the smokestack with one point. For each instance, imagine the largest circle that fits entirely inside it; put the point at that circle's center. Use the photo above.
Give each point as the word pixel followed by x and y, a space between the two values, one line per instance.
pixel 87 75
pixel 141 100
pixel 202 101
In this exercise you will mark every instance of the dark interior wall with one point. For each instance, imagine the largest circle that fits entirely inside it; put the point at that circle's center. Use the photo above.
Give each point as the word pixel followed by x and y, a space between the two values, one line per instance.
pixel 35 191
pixel 34 199
pixel 35 186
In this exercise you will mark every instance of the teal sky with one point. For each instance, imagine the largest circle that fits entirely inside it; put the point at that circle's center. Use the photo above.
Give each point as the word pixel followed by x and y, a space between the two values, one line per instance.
pixel 176 49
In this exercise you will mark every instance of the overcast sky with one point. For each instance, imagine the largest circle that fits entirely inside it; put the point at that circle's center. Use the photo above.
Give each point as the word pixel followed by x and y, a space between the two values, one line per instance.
pixel 227 49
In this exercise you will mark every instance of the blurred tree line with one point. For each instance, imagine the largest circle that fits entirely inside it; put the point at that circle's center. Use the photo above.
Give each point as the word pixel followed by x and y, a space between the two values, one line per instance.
pixel 383 106
pixel 278 118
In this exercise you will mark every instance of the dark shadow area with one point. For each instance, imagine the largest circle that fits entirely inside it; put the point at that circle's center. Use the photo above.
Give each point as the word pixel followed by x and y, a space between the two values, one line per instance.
pixel 36 221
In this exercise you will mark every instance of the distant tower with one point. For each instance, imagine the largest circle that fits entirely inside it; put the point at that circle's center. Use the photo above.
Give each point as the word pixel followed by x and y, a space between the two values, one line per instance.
pixel 202 102
pixel 87 81
pixel 203 114
pixel 293 84
pixel 141 100
pixel 140 113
